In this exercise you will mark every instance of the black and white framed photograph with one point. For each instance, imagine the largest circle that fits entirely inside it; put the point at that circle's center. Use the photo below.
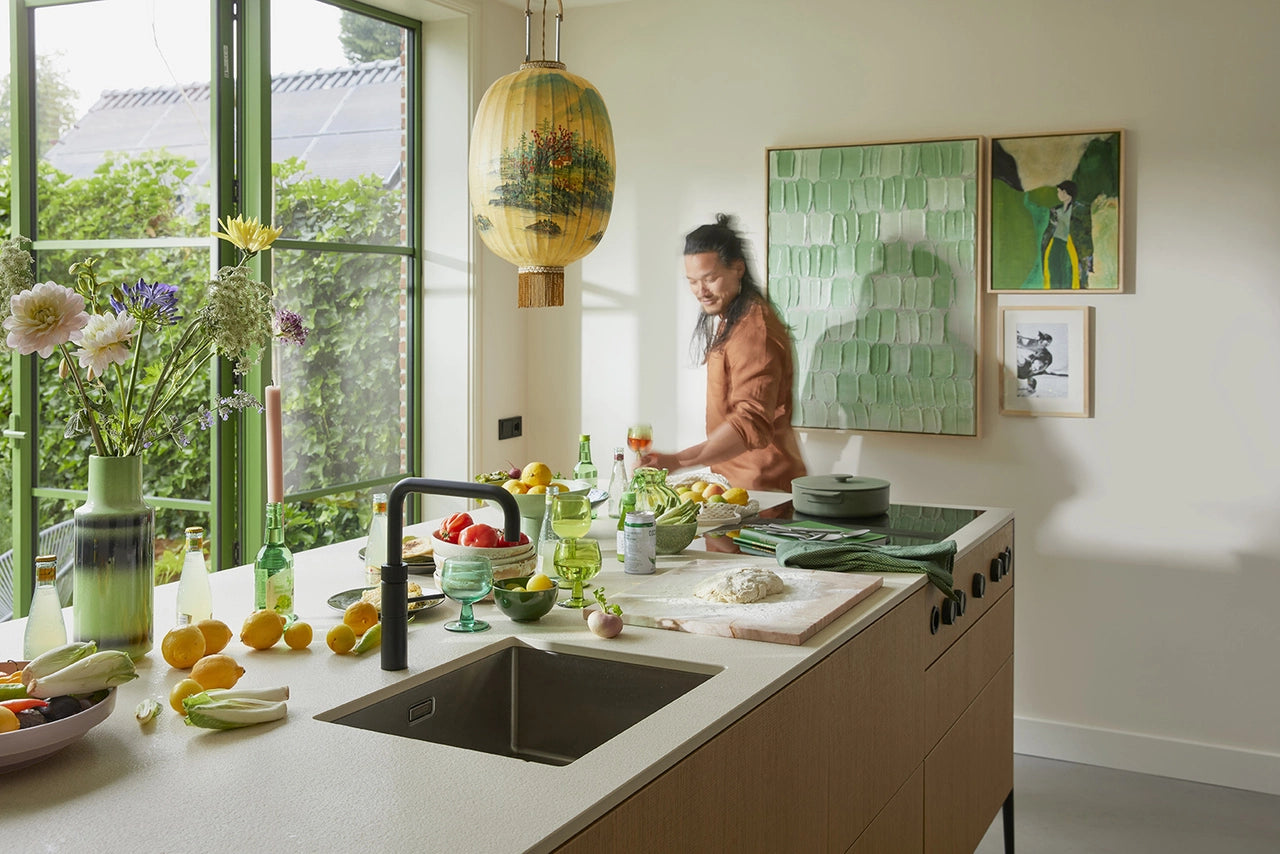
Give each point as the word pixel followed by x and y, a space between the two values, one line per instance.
pixel 1044 361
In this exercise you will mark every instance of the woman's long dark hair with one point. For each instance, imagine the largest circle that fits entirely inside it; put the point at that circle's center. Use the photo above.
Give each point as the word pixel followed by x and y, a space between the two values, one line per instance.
pixel 721 238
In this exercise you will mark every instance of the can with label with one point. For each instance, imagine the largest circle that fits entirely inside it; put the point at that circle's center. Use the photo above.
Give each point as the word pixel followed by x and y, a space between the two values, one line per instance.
pixel 640 540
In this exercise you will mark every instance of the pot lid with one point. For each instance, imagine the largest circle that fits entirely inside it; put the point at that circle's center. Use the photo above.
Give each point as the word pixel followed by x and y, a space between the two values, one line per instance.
pixel 839 483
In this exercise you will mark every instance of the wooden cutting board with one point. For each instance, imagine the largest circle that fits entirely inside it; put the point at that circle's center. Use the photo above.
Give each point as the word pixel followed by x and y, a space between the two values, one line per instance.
pixel 810 601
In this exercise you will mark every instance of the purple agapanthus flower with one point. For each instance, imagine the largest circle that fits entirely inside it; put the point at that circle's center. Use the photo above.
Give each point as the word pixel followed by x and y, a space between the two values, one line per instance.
pixel 154 301
pixel 289 327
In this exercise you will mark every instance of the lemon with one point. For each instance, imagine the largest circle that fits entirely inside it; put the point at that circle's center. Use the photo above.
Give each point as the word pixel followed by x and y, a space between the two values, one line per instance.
pixel 564 489
pixel 536 474
pixel 298 635
pixel 698 486
pixel 261 629
pixel 341 639
pixel 536 490
pixel 217 671
pixel 540 582
pixel 360 616
pixel 183 646
pixel 8 720
pixel 736 495
pixel 217 635
pixel 181 691
pixel 516 487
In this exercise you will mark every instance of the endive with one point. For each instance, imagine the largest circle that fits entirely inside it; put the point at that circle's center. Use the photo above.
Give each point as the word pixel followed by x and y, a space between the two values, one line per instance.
pixel 56 659
pixel 105 669
pixel 231 708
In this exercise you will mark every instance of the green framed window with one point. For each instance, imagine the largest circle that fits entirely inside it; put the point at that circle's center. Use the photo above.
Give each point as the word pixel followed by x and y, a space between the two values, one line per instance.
pixel 223 108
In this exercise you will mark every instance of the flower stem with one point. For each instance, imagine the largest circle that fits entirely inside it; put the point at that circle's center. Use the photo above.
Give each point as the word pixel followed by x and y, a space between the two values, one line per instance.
pixel 153 405
pixel 126 405
pixel 84 400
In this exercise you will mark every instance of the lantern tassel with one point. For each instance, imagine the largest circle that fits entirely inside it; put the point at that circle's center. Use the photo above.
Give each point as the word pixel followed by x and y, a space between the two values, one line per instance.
pixel 540 287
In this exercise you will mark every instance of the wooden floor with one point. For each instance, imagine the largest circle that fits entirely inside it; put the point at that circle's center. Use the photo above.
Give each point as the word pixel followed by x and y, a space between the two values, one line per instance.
pixel 1065 808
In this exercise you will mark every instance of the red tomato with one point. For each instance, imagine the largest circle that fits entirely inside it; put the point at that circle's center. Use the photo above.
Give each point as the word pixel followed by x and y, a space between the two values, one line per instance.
pixel 455 524
pixel 479 536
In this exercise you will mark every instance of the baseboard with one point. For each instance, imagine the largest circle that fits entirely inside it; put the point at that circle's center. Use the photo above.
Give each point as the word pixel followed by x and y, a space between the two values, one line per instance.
pixel 1166 757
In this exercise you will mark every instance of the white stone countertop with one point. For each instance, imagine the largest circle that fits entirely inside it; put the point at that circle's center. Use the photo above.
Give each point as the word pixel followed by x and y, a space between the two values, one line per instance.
pixel 308 785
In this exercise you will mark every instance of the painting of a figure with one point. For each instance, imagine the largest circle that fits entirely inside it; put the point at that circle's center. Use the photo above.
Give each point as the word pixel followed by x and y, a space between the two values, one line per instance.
pixel 1044 359
pixel 1055 212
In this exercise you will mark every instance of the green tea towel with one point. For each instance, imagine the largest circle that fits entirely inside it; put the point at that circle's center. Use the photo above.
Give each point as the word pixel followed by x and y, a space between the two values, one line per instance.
pixel 935 560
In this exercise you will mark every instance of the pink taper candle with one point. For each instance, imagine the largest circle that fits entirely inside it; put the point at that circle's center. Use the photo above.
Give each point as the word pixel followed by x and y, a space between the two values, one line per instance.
pixel 275 462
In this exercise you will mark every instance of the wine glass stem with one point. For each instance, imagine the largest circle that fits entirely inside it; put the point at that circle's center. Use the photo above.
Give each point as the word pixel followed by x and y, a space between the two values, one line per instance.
pixel 577 591
pixel 466 615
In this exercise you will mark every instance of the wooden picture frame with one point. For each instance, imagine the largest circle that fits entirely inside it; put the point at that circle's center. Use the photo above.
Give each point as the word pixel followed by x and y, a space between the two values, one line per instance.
pixel 873 262
pixel 1045 365
pixel 1056 214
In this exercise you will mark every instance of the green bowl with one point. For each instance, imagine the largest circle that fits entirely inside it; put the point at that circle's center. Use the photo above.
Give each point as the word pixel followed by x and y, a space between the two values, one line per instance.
pixel 673 539
pixel 523 606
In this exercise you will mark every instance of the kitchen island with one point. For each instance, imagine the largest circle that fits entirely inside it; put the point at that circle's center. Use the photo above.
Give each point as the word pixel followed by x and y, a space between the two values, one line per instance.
pixel 752 729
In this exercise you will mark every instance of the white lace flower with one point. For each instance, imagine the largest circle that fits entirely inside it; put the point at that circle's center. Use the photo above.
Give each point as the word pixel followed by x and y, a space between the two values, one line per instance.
pixel 105 341
pixel 44 317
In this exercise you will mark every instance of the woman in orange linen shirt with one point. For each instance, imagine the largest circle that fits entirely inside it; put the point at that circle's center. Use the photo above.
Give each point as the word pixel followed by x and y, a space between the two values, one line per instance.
pixel 747 351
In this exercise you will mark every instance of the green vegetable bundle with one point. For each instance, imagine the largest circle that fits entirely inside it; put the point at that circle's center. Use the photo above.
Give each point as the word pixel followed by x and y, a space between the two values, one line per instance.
pixel 683 514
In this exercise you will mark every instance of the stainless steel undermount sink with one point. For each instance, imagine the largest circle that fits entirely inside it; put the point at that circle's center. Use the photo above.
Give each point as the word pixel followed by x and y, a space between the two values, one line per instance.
pixel 549 705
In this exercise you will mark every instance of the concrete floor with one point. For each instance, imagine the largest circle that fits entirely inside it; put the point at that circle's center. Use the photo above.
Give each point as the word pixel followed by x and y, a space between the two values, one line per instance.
pixel 1065 808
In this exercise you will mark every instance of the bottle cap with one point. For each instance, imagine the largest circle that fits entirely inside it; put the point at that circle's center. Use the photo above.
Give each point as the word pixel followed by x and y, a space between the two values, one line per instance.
pixel 584 437
pixel 195 529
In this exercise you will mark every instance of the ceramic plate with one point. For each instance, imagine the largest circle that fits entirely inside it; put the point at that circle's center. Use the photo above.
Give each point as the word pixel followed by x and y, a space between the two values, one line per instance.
pixel 340 601
pixel 25 746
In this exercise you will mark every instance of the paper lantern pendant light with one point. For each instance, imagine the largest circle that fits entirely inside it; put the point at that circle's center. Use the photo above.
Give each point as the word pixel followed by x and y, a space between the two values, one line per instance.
pixel 541 171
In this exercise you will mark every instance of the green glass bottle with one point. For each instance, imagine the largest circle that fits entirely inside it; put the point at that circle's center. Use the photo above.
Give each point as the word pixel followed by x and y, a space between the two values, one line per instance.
pixel 585 469
pixel 273 568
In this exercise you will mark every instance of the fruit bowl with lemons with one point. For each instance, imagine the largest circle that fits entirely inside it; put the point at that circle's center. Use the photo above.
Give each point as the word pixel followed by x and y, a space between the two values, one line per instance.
pixel 526 599
pixel 529 486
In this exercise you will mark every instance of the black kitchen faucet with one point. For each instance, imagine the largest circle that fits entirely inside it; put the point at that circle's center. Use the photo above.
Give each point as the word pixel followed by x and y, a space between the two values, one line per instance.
pixel 395 576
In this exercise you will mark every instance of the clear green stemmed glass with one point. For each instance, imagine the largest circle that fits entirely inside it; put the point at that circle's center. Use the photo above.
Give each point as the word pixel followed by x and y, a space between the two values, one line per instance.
pixel 466 580
pixel 577 561
pixel 570 516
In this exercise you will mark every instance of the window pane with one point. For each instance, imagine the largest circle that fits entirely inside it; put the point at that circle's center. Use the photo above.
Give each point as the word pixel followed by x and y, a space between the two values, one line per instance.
pixel 344 393
pixel 123 94
pixel 338 120
pixel 331 519
pixel 169 469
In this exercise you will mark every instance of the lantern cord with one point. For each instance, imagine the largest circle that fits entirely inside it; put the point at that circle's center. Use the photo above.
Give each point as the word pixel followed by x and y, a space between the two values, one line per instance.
pixel 528 17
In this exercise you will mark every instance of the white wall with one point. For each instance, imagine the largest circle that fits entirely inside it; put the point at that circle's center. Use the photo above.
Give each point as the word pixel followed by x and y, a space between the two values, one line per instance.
pixel 1147 536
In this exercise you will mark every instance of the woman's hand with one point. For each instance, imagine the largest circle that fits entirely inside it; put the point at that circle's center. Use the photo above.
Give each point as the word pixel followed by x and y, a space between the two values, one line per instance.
pixel 670 462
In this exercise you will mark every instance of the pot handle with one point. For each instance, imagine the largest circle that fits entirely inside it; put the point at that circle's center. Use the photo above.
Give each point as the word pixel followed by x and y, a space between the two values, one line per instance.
pixel 824 497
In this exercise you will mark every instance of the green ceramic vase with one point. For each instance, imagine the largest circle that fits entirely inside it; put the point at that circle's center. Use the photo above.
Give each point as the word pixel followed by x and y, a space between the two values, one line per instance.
pixel 114 534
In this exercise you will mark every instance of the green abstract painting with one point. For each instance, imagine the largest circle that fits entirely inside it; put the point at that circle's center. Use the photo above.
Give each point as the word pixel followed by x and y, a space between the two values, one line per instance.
pixel 1055 212
pixel 872 264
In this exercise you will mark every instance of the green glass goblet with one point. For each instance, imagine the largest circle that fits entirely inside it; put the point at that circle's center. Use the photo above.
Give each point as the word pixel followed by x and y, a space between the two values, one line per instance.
pixel 577 561
pixel 466 580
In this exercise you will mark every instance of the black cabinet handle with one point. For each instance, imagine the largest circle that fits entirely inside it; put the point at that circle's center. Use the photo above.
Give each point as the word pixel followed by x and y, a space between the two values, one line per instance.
pixel 979 585
pixel 961 602
pixel 1007 554
pixel 949 611
pixel 995 568
pixel 935 620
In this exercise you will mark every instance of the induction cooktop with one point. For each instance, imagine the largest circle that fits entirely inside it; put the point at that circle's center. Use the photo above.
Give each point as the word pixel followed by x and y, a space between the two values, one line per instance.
pixel 903 525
